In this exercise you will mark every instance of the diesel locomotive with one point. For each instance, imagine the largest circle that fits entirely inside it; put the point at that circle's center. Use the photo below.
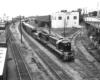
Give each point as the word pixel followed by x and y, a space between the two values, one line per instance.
pixel 60 45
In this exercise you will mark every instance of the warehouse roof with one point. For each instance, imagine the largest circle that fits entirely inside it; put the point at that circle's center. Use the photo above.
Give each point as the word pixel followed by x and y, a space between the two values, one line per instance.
pixel 43 18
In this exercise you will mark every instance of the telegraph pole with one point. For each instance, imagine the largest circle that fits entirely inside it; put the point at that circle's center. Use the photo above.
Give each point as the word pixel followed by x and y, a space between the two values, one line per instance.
pixel 49 24
pixel 64 27
pixel 21 28
pixel 97 11
pixel 92 17
pixel 4 16
pixel 7 18
pixel 86 13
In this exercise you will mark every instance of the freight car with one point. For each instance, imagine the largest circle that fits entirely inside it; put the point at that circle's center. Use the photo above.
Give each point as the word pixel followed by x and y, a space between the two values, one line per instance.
pixel 60 46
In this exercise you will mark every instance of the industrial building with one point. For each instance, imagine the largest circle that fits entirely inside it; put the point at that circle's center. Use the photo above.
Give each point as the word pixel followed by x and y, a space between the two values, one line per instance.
pixel 59 20
pixel 68 19
pixel 98 14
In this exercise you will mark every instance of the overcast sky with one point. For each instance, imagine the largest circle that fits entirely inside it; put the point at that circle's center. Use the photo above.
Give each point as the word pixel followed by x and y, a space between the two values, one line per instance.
pixel 14 8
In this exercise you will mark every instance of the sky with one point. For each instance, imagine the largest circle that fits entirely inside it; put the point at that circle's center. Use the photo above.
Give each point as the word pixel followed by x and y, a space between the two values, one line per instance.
pixel 13 8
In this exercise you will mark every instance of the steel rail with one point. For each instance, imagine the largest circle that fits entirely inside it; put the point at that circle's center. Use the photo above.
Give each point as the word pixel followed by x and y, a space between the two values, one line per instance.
pixel 59 73
pixel 88 65
pixel 21 66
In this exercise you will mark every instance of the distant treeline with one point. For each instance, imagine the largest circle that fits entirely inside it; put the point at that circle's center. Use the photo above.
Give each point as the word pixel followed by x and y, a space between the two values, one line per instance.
pixel 94 13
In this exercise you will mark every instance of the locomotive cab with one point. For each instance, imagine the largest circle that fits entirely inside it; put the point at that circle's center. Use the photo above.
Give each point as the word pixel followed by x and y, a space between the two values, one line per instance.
pixel 66 46
pixel 66 49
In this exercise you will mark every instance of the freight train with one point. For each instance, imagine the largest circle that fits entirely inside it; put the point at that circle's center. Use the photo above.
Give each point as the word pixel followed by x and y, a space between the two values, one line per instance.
pixel 60 46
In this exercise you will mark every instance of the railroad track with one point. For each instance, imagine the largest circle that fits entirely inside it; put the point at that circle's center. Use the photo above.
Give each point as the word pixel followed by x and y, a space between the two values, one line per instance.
pixel 75 65
pixel 95 55
pixel 58 72
pixel 91 70
pixel 85 73
pixel 82 58
pixel 20 64
pixel 39 53
pixel 72 65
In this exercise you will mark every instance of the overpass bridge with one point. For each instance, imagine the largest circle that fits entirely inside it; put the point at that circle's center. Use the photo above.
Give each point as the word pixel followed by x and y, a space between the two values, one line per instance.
pixel 93 21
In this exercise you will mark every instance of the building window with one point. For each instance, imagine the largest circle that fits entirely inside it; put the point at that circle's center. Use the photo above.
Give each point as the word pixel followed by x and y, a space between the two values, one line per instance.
pixel 75 17
pixel 67 17
pixel 60 18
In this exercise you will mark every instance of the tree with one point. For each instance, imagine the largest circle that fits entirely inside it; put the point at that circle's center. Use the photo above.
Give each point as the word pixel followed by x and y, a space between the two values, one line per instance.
pixel 94 13
pixel 63 10
pixel 73 11
pixel 79 10
pixel 81 16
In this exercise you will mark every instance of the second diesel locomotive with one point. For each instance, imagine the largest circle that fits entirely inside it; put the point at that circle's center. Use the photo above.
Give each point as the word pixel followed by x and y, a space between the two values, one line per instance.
pixel 60 46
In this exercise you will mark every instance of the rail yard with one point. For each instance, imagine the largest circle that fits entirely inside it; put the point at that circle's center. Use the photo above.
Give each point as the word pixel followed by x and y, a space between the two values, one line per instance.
pixel 59 46
pixel 34 54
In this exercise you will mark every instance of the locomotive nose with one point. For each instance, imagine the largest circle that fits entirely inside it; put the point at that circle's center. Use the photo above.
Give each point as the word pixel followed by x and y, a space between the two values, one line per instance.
pixel 71 55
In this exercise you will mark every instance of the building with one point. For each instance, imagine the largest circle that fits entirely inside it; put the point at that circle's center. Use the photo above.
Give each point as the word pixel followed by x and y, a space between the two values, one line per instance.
pixel 98 14
pixel 31 18
pixel 67 19
pixel 43 21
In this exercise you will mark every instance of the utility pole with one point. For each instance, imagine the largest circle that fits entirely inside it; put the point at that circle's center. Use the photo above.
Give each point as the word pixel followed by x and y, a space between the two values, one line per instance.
pixel 49 24
pixel 21 28
pixel 64 26
pixel 97 11
pixel 7 18
pixel 4 16
pixel 86 13
pixel 92 17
